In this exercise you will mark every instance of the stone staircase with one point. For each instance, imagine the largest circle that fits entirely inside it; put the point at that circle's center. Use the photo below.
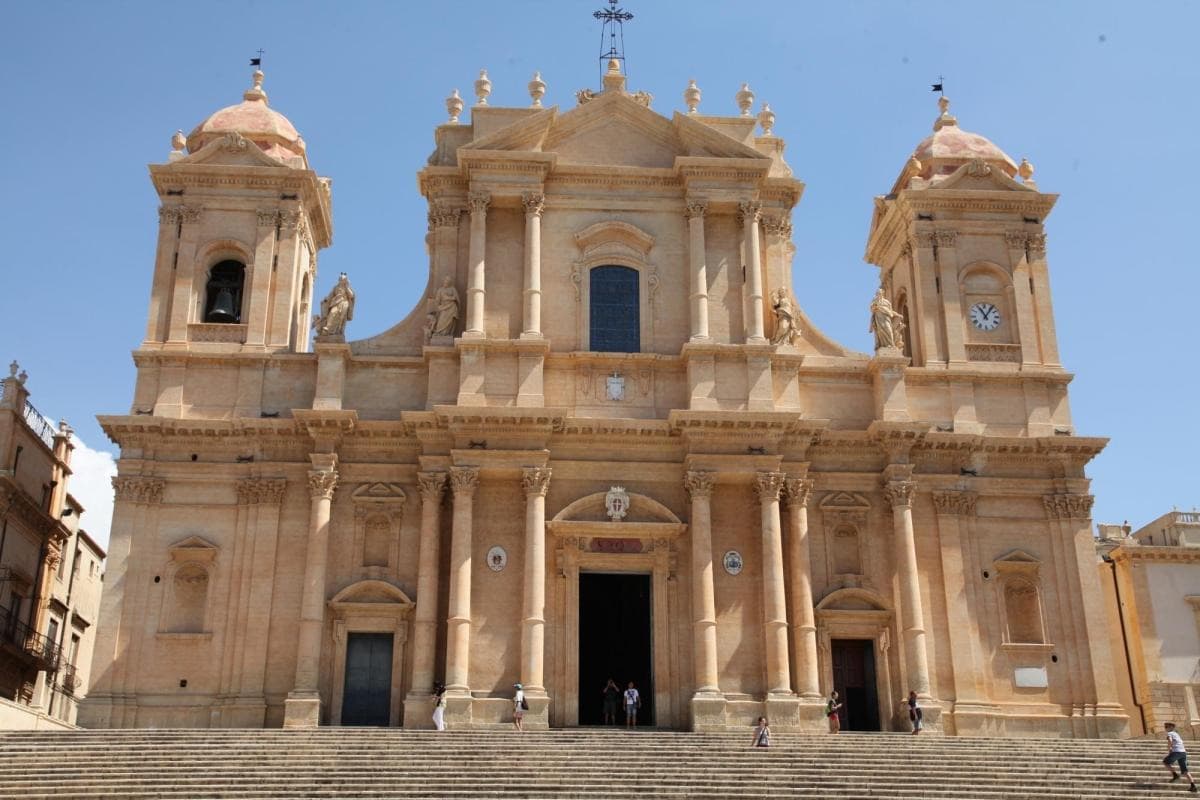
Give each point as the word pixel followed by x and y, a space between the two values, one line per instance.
pixel 597 764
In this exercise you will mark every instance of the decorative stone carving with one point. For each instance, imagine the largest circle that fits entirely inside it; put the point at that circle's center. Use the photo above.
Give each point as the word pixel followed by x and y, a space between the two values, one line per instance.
pixel 695 208
pixel 138 490
pixel 978 169
pixel 642 98
pixel 1036 244
pixel 464 480
pixel 536 480
pixel 479 202
pixel 454 107
pixel 432 484
pixel 443 216
pixel 1010 353
pixel 958 503
pixel 234 142
pixel 766 118
pixel 190 214
pixel 1068 506
pixel 1015 239
pixel 745 100
pixel 699 483
pixel 768 485
pixel 260 490
pixel 691 96
pixel 785 317
pixel 750 210
pixel 899 494
pixel 321 483
pixel 442 311
pixel 883 318
pixel 945 238
pixel 798 490
pixel 267 217
pixel 289 220
pixel 537 90
pixel 534 203
pixel 777 225
pixel 584 95
pixel 483 87
pixel 616 502
pixel 336 309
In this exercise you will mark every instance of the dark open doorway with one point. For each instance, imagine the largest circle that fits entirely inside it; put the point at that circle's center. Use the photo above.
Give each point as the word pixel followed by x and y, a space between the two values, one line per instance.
pixel 614 642
pixel 367 697
pixel 854 679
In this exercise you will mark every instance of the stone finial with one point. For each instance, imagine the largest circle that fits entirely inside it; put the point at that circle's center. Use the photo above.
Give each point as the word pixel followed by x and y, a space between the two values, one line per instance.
pixel 537 90
pixel 12 369
pixel 691 96
pixel 178 142
pixel 614 81
pixel 745 99
pixel 24 376
pixel 766 118
pixel 454 107
pixel 256 92
pixel 483 87
pixel 64 429
pixel 1025 170
pixel 945 118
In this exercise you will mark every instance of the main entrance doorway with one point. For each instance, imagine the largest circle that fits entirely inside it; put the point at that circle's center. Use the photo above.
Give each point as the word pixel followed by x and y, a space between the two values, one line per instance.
pixel 614 642
pixel 854 679
pixel 367 698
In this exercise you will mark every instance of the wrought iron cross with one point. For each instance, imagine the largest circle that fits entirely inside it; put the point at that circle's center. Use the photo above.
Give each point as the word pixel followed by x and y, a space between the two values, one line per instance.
pixel 612 24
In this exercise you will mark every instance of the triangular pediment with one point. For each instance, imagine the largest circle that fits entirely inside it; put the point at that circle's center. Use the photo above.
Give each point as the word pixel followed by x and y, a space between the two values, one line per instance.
pixel 839 501
pixel 378 493
pixel 231 150
pixel 703 141
pixel 614 130
pixel 525 135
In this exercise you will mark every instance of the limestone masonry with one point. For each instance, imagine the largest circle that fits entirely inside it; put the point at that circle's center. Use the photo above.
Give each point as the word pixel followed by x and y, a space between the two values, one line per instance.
pixel 609 443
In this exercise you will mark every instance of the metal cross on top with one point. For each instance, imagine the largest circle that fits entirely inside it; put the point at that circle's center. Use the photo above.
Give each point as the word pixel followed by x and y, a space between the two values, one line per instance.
pixel 612 25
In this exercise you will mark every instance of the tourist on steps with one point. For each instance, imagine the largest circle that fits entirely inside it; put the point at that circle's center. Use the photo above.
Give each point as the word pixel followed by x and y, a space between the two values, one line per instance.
pixel 831 712
pixel 633 701
pixel 762 733
pixel 914 712
pixel 439 706
pixel 1177 755
pixel 612 698
pixel 519 706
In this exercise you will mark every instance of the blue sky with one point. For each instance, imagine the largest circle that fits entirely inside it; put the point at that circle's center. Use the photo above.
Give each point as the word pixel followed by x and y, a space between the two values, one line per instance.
pixel 1100 96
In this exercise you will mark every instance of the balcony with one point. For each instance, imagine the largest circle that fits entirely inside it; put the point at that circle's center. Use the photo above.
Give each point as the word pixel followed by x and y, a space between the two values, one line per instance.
pixel 68 679
pixel 16 636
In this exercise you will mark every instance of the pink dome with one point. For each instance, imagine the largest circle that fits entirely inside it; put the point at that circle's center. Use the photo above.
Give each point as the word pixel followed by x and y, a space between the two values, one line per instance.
pixel 256 121
pixel 949 147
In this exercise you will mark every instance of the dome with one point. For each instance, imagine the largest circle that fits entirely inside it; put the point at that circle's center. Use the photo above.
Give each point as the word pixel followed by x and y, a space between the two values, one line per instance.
pixel 256 121
pixel 949 147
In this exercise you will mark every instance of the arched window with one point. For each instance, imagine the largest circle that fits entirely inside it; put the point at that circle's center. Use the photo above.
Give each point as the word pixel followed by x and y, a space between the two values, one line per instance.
pixel 1023 612
pixel 223 294
pixel 615 310
pixel 190 599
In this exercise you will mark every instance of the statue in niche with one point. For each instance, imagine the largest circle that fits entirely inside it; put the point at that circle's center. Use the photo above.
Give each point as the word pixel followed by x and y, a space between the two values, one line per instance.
pixel 785 317
pixel 884 321
pixel 442 315
pixel 336 309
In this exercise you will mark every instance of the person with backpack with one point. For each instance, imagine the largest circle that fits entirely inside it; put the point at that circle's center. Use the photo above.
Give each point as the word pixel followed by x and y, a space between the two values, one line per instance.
pixel 762 733
pixel 914 712
pixel 520 706
pixel 633 701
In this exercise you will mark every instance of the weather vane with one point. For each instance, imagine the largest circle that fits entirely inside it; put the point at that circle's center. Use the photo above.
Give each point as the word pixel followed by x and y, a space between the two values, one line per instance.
pixel 612 25
pixel 257 62
pixel 937 87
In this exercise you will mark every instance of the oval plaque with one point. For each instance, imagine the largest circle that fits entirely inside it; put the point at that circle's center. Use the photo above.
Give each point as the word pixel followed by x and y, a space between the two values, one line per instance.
pixel 497 558
pixel 732 562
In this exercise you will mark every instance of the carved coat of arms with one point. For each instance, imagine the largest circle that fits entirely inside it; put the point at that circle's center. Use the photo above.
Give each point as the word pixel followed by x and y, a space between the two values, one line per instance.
pixel 617 503
pixel 616 387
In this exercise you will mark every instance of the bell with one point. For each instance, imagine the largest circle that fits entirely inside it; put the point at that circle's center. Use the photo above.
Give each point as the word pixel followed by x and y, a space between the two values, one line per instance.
pixel 222 308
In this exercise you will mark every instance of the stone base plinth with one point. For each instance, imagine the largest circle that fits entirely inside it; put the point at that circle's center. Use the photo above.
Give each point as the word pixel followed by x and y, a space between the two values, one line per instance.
pixel 459 710
pixel 783 712
pixel 418 712
pixel 708 712
pixel 302 710
pixel 538 715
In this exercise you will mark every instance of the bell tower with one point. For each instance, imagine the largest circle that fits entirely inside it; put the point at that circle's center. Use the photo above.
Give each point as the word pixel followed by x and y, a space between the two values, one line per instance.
pixel 241 222
pixel 961 249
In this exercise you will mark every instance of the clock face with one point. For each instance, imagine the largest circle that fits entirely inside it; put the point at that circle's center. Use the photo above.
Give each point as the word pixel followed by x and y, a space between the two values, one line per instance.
pixel 985 316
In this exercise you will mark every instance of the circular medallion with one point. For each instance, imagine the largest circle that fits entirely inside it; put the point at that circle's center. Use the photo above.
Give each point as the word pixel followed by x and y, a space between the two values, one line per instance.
pixel 732 562
pixel 985 316
pixel 497 558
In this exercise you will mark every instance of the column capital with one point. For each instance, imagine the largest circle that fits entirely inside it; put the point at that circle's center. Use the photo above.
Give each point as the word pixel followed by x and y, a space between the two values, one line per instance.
pixel 1068 505
pixel 798 491
pixel 699 483
pixel 945 238
pixel 534 203
pixel 695 208
pixel 1035 243
pixel 464 480
pixel 958 503
pixel 432 485
pixel 442 215
pixel 260 490
pixel 778 225
pixel 479 202
pixel 322 482
pixel 536 480
pixel 899 493
pixel 768 485
pixel 749 211
pixel 139 490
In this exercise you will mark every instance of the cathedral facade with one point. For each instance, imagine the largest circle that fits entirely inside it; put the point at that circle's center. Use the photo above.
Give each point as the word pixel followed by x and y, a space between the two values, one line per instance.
pixel 607 444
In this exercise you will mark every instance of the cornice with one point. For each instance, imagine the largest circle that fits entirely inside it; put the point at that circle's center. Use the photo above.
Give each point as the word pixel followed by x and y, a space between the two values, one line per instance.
pixel 1142 552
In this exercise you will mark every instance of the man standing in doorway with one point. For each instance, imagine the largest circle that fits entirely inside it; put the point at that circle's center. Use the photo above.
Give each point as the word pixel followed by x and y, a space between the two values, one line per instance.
pixel 633 701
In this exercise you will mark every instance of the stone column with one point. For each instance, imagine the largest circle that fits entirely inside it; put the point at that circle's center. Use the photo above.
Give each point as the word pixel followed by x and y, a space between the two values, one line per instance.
pixel 768 485
pixel 803 621
pixel 479 202
pixel 534 204
pixel 947 268
pixel 1022 294
pixel 1036 247
pixel 302 709
pixel 463 481
pixel 750 213
pixel 433 486
pixel 952 509
pixel 535 481
pixel 899 493
pixel 704 608
pixel 697 261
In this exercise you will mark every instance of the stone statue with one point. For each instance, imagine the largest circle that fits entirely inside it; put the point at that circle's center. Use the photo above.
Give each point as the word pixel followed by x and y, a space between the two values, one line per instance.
pixel 336 309
pixel 443 310
pixel 884 321
pixel 785 317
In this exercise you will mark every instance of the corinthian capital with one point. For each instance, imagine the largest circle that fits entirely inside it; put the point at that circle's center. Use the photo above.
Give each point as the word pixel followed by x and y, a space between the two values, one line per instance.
pixel 900 493
pixel 479 202
pixel 768 485
pixel 1068 506
pixel 432 484
pixel 695 208
pixel 138 490
pixel 464 480
pixel 534 203
pixel 322 482
pixel 698 483
pixel 777 225
pixel 536 480
pixel 961 504
pixel 260 490
pixel 749 210
pixel 798 491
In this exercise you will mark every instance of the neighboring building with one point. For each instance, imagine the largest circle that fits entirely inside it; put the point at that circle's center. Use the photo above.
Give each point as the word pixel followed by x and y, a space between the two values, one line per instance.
pixel 35 462
pixel 1152 580
pixel 608 445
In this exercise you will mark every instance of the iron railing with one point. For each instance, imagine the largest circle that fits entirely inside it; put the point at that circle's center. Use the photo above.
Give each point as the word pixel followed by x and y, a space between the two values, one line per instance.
pixel 41 649
pixel 41 426
pixel 68 679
